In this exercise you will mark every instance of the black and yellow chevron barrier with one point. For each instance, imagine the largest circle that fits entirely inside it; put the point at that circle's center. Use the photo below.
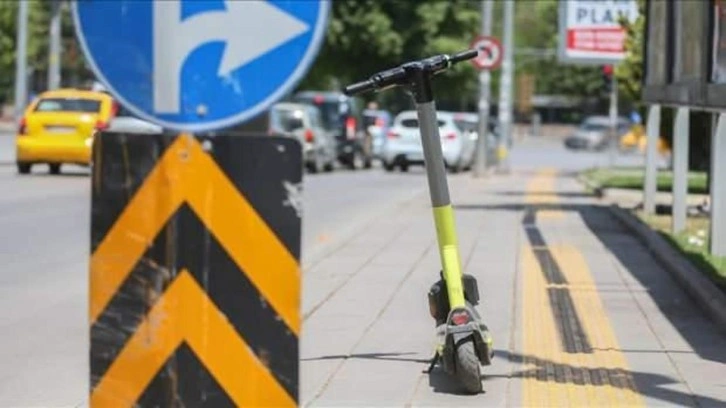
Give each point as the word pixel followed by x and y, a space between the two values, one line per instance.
pixel 194 271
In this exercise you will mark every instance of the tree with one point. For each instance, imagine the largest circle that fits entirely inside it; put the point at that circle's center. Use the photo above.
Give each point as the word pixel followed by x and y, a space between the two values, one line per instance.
pixel 537 27
pixel 368 36
pixel 629 73
pixel 38 18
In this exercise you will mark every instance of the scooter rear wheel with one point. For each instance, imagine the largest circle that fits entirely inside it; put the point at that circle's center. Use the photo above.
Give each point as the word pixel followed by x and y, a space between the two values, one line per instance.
pixel 468 370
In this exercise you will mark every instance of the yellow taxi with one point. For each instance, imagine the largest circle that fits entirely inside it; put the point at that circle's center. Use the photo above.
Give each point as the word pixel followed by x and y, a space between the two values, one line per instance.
pixel 58 127
pixel 636 139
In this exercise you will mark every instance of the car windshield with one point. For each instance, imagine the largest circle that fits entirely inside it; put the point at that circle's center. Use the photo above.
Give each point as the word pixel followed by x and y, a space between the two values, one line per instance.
pixel 286 120
pixel 594 127
pixel 123 112
pixel 329 111
pixel 413 123
pixel 466 125
pixel 68 105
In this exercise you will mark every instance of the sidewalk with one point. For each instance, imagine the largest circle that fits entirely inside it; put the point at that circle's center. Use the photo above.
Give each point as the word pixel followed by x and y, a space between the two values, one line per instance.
pixel 580 313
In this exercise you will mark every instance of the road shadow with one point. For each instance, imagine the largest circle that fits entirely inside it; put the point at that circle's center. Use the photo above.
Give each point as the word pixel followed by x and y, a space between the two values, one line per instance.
pixel 656 386
pixel 534 368
pixel 568 194
pixel 393 356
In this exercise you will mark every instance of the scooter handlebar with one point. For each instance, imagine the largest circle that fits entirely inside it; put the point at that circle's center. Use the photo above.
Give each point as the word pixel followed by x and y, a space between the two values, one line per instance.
pixel 397 76
pixel 463 56
pixel 359 87
pixel 378 81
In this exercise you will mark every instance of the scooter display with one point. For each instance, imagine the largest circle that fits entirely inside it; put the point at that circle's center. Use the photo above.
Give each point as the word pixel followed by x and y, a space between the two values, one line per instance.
pixel 464 341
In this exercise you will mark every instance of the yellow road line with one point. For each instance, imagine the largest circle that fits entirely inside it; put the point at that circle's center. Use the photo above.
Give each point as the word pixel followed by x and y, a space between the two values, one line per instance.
pixel 597 375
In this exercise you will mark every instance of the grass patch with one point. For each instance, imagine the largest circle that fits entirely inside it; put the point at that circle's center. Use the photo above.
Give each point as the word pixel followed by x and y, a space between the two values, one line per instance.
pixel 629 178
pixel 692 243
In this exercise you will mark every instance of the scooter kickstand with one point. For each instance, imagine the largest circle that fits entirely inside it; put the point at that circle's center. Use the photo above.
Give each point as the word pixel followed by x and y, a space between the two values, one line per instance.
pixel 435 359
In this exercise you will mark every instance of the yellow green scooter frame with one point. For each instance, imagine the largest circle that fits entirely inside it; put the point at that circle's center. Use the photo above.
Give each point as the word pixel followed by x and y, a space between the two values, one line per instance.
pixel 464 341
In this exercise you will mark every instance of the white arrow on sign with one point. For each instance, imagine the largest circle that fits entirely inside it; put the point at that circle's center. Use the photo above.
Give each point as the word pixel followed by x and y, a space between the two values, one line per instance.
pixel 248 28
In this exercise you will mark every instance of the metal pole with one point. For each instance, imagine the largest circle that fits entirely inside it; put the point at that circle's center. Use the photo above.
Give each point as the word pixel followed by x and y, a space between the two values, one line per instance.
pixel 680 169
pixel 651 169
pixel 482 145
pixel 718 188
pixel 21 60
pixel 614 139
pixel 505 89
pixel 54 68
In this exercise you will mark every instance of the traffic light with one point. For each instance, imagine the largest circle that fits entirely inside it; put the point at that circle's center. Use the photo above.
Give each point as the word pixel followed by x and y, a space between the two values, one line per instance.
pixel 607 78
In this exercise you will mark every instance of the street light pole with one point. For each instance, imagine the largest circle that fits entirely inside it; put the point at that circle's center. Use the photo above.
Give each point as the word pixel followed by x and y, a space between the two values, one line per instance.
pixel 482 148
pixel 21 60
pixel 54 49
pixel 505 89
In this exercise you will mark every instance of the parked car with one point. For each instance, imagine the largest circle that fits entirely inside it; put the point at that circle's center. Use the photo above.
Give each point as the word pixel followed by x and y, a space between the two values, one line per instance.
pixel 304 123
pixel 58 128
pixel 594 133
pixel 126 121
pixel 377 122
pixel 402 147
pixel 341 116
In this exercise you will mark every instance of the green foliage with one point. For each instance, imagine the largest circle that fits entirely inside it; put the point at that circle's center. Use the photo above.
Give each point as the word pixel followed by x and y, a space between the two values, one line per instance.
pixel 630 72
pixel 537 28
pixel 365 36
pixel 38 18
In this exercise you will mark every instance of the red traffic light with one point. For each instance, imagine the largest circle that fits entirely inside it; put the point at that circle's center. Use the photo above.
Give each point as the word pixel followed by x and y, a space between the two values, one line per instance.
pixel 607 70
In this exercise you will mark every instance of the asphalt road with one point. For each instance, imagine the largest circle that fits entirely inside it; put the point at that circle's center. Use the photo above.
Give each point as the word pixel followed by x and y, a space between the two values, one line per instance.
pixel 44 249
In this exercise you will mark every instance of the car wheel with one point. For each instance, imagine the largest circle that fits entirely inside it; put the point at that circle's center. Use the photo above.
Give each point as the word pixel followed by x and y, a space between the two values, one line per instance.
pixel 54 168
pixel 328 167
pixel 356 161
pixel 24 168
pixel 388 166
pixel 404 167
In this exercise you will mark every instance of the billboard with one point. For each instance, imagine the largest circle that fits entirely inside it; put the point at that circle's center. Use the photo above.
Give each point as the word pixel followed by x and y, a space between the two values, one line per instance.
pixel 684 54
pixel 590 32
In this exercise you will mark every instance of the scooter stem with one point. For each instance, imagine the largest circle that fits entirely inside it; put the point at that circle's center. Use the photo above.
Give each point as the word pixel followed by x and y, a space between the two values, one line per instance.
pixel 439 190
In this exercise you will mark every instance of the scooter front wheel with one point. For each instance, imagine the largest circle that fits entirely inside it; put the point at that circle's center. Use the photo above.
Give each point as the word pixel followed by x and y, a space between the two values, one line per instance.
pixel 468 370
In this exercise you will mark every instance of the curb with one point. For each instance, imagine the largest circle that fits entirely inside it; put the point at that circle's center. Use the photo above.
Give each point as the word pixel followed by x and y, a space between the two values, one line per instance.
pixel 704 292
pixel 597 190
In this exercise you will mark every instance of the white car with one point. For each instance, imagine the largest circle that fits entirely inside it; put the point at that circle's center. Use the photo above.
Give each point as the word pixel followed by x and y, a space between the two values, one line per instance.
pixel 402 147
pixel 304 123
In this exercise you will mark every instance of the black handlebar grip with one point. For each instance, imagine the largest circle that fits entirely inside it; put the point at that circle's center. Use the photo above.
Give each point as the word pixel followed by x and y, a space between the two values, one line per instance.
pixel 463 56
pixel 360 87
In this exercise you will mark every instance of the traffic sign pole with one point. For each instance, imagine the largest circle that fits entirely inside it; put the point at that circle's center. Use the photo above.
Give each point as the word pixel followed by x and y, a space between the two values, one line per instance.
pixel 21 61
pixel 505 89
pixel 482 146
pixel 206 286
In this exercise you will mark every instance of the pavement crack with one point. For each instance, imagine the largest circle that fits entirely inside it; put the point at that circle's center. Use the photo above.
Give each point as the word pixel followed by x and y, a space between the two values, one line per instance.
pixel 350 277
pixel 373 321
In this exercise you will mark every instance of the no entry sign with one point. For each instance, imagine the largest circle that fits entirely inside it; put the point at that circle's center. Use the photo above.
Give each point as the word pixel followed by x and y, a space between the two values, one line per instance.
pixel 490 52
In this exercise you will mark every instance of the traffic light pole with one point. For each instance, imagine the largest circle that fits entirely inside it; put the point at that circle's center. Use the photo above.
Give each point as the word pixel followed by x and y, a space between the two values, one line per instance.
pixel 614 137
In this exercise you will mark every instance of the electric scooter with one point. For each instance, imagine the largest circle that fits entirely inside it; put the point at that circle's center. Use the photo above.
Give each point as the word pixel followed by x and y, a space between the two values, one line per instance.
pixel 464 342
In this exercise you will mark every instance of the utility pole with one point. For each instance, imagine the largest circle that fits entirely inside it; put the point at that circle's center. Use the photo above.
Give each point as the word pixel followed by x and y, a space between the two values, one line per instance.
pixel 611 85
pixel 505 89
pixel 54 53
pixel 482 146
pixel 21 60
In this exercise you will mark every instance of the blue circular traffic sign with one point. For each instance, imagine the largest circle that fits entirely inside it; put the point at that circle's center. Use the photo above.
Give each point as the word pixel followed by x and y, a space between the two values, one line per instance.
pixel 200 65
